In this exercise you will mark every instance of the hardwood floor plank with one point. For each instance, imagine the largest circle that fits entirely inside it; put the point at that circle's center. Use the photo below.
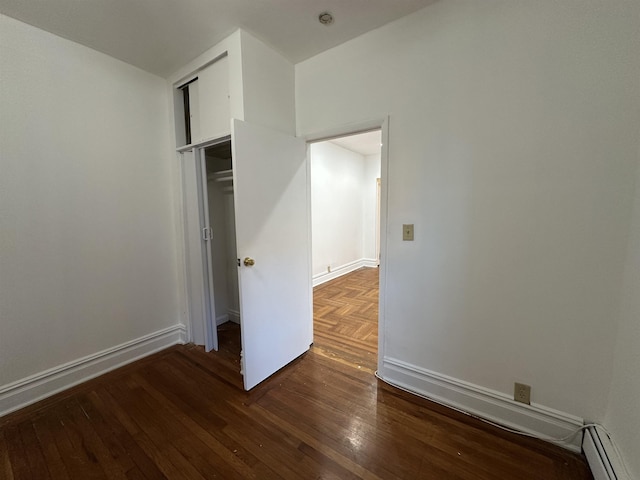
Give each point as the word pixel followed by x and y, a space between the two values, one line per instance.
pixel 193 431
pixel 248 434
pixel 135 474
pixel 223 460
pixel 6 469
pixel 321 446
pixel 345 432
pixel 16 453
pixel 139 440
pixel 331 468
pixel 201 412
pixel 33 452
pixel 114 448
pixel 78 462
pixel 55 464
pixel 157 438
pixel 92 443
pixel 108 420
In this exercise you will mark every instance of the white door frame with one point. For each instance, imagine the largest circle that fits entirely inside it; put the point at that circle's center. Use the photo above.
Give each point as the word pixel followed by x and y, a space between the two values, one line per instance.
pixel 378 229
pixel 381 124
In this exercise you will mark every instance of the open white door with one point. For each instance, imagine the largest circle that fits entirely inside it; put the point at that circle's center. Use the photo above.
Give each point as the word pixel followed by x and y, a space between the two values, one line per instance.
pixel 272 228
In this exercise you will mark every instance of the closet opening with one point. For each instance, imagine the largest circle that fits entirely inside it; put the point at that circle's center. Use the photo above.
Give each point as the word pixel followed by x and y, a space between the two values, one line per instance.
pixel 345 178
pixel 222 259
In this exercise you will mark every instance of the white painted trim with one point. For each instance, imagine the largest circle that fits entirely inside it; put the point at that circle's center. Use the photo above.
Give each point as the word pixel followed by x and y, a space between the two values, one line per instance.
pixel 484 403
pixel 382 259
pixel 220 319
pixel 207 142
pixel 603 459
pixel 346 130
pixel 179 208
pixel 323 277
pixel 310 284
pixel 34 388
pixel 369 262
pixel 234 316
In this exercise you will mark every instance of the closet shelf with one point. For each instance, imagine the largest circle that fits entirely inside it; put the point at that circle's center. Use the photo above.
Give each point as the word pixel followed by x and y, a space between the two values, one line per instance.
pixel 221 176
pixel 221 173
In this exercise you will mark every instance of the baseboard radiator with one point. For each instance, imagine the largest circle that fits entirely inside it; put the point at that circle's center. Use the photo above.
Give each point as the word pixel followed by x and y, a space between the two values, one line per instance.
pixel 602 456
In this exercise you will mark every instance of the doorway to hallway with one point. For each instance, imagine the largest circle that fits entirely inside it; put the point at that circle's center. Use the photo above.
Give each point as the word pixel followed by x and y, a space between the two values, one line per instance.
pixel 345 181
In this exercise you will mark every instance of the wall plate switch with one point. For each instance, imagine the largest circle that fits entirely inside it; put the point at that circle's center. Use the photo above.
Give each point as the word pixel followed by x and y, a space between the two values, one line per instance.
pixel 407 232
pixel 522 393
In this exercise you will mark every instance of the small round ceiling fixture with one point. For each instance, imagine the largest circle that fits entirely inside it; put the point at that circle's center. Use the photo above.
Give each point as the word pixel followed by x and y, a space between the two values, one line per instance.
pixel 325 18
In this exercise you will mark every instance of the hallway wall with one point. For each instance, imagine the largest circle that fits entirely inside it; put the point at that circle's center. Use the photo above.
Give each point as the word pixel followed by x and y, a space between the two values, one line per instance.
pixel 343 208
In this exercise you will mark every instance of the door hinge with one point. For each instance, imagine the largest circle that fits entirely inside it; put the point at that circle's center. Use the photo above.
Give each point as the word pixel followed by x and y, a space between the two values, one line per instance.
pixel 207 234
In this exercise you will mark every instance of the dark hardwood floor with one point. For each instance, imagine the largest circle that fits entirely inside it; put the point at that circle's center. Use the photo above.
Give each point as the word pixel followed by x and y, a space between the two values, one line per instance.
pixel 182 414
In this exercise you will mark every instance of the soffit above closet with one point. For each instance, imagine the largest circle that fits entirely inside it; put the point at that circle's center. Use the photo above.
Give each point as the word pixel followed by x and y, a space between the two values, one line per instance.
pixel 160 36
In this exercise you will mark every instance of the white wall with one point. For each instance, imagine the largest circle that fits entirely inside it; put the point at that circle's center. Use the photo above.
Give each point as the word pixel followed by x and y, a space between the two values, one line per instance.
pixel 623 415
pixel 343 208
pixel 512 148
pixel 336 206
pixel 369 205
pixel 219 248
pixel 268 86
pixel 225 270
pixel 87 220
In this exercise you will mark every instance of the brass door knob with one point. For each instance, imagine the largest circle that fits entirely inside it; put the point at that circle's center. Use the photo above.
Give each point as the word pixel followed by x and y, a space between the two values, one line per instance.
pixel 249 261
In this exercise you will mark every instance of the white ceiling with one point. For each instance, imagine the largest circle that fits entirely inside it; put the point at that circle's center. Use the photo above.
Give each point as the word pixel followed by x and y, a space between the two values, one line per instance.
pixel 363 143
pixel 162 35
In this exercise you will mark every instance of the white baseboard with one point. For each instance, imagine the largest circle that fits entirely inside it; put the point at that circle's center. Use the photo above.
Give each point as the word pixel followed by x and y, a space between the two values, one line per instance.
pixel 230 316
pixel 34 388
pixel 323 277
pixel 234 316
pixel 602 456
pixel 369 262
pixel 483 403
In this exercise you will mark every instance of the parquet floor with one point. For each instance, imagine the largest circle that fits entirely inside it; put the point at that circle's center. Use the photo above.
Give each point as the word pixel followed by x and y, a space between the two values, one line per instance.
pixel 181 414
pixel 345 318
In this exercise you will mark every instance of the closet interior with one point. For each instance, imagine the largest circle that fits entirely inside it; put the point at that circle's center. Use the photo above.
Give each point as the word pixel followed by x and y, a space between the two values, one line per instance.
pixel 222 220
